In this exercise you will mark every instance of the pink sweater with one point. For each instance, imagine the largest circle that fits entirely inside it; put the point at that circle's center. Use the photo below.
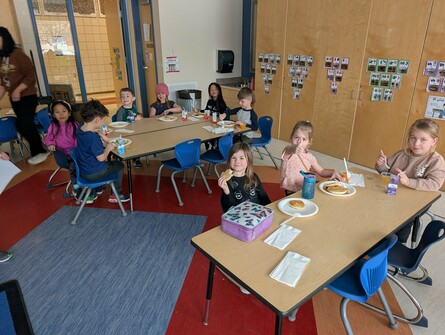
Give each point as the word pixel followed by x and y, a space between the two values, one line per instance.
pixel 290 176
pixel 63 139
pixel 425 173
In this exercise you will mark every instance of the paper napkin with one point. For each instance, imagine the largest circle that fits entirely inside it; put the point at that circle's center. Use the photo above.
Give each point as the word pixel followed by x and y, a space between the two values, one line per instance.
pixel 127 131
pixel 290 269
pixel 357 180
pixel 191 118
pixel 222 130
pixel 281 237
pixel 208 128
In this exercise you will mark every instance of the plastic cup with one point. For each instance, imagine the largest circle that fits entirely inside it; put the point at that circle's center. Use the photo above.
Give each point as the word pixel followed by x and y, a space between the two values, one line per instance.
pixel 386 177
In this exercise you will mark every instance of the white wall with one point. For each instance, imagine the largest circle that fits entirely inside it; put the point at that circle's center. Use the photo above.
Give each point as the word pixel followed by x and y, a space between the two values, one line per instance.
pixel 193 30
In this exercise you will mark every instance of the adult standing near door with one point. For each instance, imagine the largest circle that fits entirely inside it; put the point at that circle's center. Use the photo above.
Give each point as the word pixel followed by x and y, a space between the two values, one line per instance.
pixel 18 78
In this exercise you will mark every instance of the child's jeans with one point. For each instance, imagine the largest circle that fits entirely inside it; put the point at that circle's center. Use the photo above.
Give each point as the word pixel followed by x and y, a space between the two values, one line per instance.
pixel 113 166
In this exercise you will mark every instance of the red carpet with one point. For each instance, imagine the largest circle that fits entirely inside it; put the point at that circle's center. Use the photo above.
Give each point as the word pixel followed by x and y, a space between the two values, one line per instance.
pixel 27 204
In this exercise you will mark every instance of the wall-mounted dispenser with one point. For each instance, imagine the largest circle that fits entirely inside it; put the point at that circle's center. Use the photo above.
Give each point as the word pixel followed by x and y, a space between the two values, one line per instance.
pixel 226 59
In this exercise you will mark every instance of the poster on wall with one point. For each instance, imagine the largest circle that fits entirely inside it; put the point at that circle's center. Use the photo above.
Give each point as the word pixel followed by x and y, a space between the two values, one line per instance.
pixel 435 107
pixel 171 64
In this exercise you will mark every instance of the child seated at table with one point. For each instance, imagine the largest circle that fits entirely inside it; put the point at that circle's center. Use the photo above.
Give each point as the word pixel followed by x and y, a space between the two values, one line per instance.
pixel 128 98
pixel 62 133
pixel 245 115
pixel 419 166
pixel 163 106
pixel 296 157
pixel 92 156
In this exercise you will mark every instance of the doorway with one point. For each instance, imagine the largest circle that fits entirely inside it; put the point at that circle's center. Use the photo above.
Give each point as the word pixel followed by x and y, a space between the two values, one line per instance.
pixel 91 36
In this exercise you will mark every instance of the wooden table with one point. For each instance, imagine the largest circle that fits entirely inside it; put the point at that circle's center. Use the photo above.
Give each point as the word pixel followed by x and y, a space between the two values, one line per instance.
pixel 148 125
pixel 148 143
pixel 343 231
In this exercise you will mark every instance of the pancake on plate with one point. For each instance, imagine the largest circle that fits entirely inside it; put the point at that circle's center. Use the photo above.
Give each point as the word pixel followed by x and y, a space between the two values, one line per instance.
pixel 297 204
pixel 336 188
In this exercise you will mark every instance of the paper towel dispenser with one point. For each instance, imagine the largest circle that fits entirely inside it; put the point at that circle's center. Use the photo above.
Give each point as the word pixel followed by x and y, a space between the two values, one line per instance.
pixel 225 61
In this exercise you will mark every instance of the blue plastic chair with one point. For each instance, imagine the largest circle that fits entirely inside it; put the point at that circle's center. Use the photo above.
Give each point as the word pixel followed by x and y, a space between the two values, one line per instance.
pixel 218 156
pixel 265 126
pixel 62 163
pixel 363 280
pixel 406 260
pixel 43 120
pixel 88 185
pixel 187 157
pixel 8 133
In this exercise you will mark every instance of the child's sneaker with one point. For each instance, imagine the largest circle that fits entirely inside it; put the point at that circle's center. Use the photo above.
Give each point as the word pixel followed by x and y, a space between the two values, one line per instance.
pixel 99 190
pixel 91 198
pixel 123 197
pixel 137 163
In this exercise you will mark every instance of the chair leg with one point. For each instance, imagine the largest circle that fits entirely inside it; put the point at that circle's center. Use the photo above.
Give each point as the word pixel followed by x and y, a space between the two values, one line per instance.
pixel 194 178
pixel 419 319
pixel 293 316
pixel 158 182
pixel 67 193
pixel 176 188
pixel 271 157
pixel 204 179
pixel 259 153
pixel 84 201
pixel 79 199
pixel 49 185
pixel 208 169
pixel 184 176
pixel 113 189
pixel 423 279
pixel 215 166
pixel 392 323
pixel 344 316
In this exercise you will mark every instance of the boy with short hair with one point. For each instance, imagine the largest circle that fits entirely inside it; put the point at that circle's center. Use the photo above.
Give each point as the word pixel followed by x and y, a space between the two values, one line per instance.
pixel 245 115
pixel 91 154
pixel 128 98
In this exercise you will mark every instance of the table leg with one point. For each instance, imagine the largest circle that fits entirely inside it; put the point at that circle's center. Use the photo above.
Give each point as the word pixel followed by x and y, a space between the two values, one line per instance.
pixel 278 324
pixel 130 184
pixel 209 292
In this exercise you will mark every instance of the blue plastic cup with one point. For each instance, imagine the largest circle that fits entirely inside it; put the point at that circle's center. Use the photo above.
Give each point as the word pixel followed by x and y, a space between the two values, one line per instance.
pixel 308 190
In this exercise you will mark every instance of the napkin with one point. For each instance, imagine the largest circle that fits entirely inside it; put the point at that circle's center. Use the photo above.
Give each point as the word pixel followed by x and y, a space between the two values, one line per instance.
pixel 208 128
pixel 128 131
pixel 222 130
pixel 281 237
pixel 191 118
pixel 290 269
pixel 357 180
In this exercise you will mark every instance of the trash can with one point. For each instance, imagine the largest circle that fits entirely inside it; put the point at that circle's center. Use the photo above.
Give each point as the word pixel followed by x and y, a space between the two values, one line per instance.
pixel 189 99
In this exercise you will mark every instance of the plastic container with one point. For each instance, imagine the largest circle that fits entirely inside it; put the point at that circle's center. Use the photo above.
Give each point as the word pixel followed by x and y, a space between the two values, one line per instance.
pixel 120 147
pixel 130 117
pixel 214 117
pixel 308 190
pixel 184 114
pixel 392 185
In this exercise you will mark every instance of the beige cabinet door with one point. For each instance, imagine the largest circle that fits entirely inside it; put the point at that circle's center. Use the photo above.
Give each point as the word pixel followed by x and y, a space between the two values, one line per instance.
pixel 303 32
pixel 396 31
pixel 343 34
pixel 271 18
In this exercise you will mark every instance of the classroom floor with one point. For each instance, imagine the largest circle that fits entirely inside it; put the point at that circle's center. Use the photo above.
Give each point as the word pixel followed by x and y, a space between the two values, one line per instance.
pixel 429 296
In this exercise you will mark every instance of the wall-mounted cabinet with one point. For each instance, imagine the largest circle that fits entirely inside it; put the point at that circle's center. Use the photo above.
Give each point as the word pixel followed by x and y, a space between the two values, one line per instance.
pixel 347 123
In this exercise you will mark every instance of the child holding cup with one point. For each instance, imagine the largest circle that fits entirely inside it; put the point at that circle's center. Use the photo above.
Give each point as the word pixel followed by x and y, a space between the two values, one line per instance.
pixel 419 166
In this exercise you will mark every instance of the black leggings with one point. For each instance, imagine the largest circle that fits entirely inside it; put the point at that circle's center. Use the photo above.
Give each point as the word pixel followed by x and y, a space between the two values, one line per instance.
pixel 25 110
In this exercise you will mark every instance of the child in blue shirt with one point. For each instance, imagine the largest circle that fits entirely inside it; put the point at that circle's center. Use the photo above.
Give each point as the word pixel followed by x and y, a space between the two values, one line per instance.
pixel 91 154
pixel 245 115
pixel 162 106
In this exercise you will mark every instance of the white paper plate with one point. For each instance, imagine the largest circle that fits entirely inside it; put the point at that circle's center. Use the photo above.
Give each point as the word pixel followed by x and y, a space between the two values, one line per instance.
pixel 226 123
pixel 115 139
pixel 168 118
pixel 118 124
pixel 351 189
pixel 309 209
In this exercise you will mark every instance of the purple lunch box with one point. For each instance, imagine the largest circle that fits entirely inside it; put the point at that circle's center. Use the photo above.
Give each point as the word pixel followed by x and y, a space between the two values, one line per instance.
pixel 246 221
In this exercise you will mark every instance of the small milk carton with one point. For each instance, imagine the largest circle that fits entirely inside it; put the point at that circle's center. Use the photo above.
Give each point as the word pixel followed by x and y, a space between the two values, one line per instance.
pixel 392 185
pixel 246 221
